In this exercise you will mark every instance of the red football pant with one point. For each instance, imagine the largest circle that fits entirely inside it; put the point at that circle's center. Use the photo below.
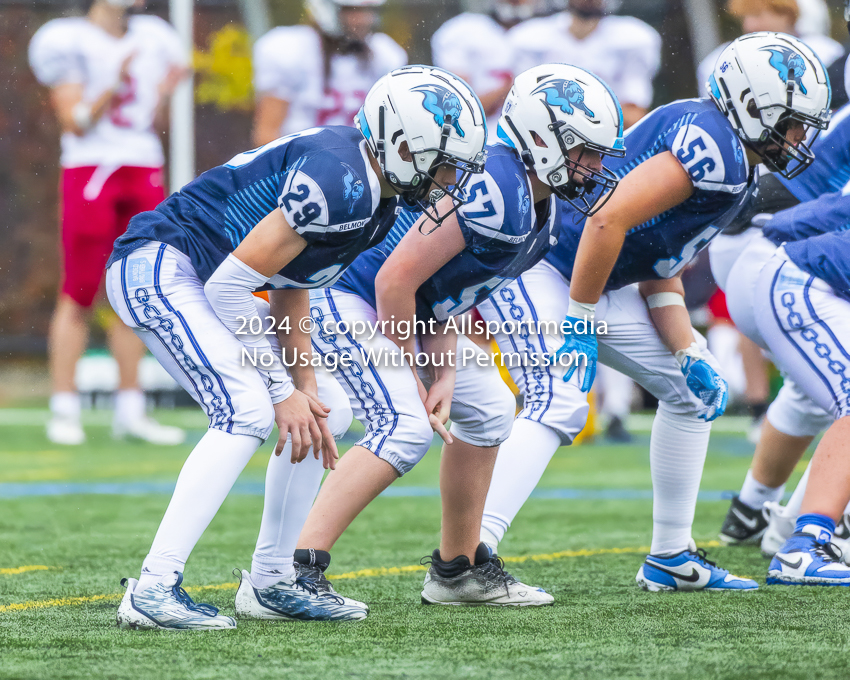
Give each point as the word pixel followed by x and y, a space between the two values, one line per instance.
pixel 93 217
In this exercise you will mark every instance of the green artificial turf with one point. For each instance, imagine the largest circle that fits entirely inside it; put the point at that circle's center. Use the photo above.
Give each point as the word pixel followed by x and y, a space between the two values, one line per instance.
pixel 602 625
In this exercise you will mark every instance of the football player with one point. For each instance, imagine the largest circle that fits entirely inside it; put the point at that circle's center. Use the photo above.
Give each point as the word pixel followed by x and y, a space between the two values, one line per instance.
pixel 624 51
pixel 792 420
pixel 289 216
pixel 110 74
pixel 318 73
pixel 793 301
pixel 565 114
pixel 687 173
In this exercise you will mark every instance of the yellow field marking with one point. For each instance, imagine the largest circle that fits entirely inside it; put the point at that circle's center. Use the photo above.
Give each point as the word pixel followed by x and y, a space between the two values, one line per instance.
pixel 361 573
pixel 10 571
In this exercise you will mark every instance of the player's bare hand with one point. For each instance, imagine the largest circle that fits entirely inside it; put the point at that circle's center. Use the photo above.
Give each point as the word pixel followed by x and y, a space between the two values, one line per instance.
pixel 295 417
pixel 328 453
pixel 438 403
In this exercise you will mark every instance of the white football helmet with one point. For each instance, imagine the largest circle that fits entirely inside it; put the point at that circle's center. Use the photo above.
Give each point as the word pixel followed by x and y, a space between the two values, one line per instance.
pixel 763 82
pixel 553 108
pixel 415 120
pixel 326 13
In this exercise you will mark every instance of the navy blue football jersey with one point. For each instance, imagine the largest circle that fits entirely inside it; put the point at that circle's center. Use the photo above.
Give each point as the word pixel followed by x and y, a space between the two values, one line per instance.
pixel 321 180
pixel 505 234
pixel 703 141
pixel 817 238
pixel 830 171
pixel 830 212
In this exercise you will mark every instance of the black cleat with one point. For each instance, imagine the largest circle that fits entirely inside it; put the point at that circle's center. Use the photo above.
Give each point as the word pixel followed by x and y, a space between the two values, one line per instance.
pixel 743 524
pixel 617 432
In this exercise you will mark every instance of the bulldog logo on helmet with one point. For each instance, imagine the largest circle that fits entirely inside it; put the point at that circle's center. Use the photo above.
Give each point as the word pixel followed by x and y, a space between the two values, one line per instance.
pixel 352 187
pixel 568 95
pixel 444 104
pixel 787 61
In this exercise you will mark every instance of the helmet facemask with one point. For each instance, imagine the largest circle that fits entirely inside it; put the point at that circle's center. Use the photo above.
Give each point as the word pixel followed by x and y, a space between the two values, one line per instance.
pixel 773 148
pixel 423 190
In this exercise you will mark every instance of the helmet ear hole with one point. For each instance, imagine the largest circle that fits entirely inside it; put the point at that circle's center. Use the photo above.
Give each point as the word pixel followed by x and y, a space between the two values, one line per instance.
pixel 753 109
pixel 404 152
pixel 538 140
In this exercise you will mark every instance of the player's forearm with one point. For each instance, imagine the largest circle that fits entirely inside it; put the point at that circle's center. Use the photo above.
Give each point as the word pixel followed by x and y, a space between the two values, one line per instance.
pixel 666 302
pixel 597 253
pixel 295 304
pixel 438 345
pixel 396 307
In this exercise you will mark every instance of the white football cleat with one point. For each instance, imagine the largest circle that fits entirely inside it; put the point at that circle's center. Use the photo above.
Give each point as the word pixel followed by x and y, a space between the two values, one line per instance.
pixel 148 430
pixel 166 606
pixel 65 431
pixel 485 583
pixel 297 599
pixel 780 526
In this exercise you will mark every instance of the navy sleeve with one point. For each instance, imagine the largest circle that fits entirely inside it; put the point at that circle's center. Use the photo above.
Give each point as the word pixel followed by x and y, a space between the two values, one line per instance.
pixel 829 213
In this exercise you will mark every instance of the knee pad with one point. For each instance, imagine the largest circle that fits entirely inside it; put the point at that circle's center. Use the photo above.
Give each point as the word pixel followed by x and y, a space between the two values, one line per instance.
pixel 254 415
pixel 794 414
pixel 402 441
pixel 561 407
pixel 340 417
pixel 487 422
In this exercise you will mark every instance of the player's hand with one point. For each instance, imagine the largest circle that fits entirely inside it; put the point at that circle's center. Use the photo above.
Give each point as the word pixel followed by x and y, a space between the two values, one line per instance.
pixel 295 417
pixel 576 343
pixel 329 452
pixel 706 384
pixel 438 404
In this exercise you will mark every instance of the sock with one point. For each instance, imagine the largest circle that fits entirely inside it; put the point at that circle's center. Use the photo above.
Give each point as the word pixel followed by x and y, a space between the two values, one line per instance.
pixel 824 523
pixel 521 462
pixel 129 406
pixel 754 494
pixel 796 500
pixel 290 492
pixel 677 451
pixel 204 482
pixel 65 405
pixel 321 559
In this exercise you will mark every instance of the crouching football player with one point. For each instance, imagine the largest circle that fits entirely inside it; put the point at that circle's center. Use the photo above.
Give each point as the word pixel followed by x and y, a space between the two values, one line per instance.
pixel 559 112
pixel 289 216
pixel 687 173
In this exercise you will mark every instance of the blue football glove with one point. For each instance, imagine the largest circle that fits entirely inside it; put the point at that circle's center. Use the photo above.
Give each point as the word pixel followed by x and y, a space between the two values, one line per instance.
pixel 706 384
pixel 580 343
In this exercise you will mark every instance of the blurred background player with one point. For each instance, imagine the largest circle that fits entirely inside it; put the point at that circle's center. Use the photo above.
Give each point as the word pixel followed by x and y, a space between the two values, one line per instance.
pixel 110 75
pixel 318 73
pixel 475 46
pixel 805 19
pixel 623 51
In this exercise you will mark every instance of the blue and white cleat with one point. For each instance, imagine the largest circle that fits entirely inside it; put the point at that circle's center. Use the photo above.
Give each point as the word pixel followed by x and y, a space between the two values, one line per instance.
pixel 689 570
pixel 166 606
pixel 295 600
pixel 808 558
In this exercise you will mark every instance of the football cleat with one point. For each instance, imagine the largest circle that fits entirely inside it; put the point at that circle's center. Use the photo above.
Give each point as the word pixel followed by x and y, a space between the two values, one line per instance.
pixel 166 606
pixel 312 564
pixel 780 526
pixel 295 600
pixel 65 431
pixel 486 583
pixel 148 430
pixel 689 570
pixel 743 524
pixel 808 558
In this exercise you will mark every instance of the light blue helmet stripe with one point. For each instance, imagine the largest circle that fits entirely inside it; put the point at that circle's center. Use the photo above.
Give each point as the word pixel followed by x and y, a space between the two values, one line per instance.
pixel 503 136
pixel 364 126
